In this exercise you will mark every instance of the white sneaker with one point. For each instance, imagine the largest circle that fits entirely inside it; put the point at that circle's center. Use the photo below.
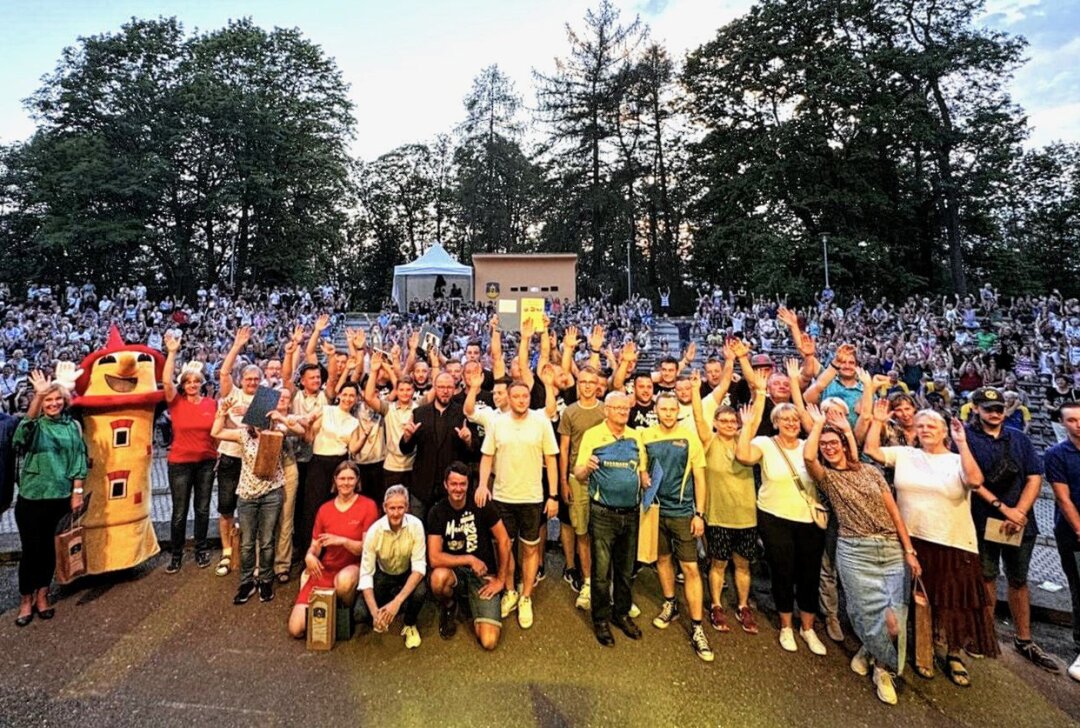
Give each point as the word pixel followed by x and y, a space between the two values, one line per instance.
pixel 860 663
pixel 1074 669
pixel 833 629
pixel 886 690
pixel 787 639
pixel 412 637
pixel 525 614
pixel 508 603
pixel 634 611
pixel 584 598
pixel 811 639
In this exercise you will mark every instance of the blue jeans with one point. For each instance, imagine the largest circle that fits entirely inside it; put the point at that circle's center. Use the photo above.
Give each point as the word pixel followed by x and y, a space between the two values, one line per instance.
pixel 184 480
pixel 876 581
pixel 258 521
pixel 614 537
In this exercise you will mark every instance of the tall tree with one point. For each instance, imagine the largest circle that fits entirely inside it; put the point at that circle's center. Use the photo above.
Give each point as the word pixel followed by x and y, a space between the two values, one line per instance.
pixel 579 104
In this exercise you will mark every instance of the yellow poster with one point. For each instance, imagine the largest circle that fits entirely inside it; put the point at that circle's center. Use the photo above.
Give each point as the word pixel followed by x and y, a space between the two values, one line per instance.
pixel 533 308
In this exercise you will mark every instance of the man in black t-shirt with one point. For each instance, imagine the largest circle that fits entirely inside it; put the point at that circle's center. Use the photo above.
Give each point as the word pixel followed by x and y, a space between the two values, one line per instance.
pixel 465 561
pixel 642 413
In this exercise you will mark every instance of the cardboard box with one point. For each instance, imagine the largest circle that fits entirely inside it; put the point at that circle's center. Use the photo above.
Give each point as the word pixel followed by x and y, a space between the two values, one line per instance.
pixel 322 618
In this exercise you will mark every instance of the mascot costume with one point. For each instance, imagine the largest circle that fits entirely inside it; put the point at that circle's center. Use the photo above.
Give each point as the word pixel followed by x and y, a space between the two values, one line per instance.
pixel 117 391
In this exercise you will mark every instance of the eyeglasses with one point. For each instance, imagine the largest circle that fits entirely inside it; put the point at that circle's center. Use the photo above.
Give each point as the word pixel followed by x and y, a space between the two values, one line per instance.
pixel 830 444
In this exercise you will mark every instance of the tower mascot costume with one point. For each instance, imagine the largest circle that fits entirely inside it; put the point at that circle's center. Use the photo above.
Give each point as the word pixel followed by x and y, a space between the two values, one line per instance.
pixel 117 391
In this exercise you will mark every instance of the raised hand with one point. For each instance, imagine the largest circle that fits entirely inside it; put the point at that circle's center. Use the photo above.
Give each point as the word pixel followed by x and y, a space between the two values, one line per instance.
pixel 570 338
pixel 691 352
pixel 787 317
pixel 39 381
pixel 739 348
pixel 414 340
pixel 322 322
pixel 67 374
pixel 527 328
pixel 837 419
pixel 172 342
pixel 328 348
pixel 864 377
pixel 360 340
pixel 494 324
pixel 547 375
pixel 695 379
pixel 376 361
pixel 243 336
pixel 807 346
pixel 957 432
pixel 297 335
pixel 791 366
pixel 464 433
pixel 409 429
pixel 596 338
pixel 474 379
pixel 746 414
pixel 816 415
pixel 881 411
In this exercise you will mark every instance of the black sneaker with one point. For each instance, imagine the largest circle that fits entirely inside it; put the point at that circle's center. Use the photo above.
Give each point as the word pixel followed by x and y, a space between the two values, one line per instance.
pixel 1037 656
pixel 246 591
pixel 541 574
pixel 573 578
pixel 174 564
pixel 202 559
pixel 448 621
pixel 266 591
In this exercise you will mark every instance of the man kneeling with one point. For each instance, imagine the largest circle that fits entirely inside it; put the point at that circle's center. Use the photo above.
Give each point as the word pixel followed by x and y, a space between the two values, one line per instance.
pixel 392 568
pixel 464 562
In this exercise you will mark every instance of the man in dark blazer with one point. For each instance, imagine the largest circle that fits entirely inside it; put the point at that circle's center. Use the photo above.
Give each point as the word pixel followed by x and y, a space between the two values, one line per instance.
pixel 439 434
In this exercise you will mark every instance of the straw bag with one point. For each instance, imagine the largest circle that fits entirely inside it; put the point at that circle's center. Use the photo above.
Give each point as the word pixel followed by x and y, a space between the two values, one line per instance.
pixel 924 630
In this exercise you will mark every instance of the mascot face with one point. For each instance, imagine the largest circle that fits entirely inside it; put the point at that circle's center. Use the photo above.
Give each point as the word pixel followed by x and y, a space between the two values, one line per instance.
pixel 119 375
pixel 122 372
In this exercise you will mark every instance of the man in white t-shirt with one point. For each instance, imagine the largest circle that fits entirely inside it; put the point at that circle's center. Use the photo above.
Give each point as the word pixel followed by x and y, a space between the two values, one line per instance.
pixel 517 447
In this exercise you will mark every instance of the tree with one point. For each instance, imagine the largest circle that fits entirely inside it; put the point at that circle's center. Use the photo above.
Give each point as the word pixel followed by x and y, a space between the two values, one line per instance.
pixel 178 160
pixel 579 104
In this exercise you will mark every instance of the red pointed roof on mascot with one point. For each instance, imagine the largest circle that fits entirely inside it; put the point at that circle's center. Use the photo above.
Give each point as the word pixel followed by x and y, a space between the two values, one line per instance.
pixel 120 375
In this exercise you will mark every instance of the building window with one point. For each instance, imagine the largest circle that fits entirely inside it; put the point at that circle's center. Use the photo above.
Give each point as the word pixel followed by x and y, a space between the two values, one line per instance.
pixel 118 480
pixel 121 432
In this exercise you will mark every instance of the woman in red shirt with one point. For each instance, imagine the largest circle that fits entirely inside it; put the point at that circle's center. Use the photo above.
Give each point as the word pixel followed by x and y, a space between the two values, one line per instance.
pixel 192 456
pixel 337 541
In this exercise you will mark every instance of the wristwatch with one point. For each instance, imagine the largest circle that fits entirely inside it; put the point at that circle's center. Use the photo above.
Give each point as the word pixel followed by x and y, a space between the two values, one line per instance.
pixel 553 497
pixel 699 514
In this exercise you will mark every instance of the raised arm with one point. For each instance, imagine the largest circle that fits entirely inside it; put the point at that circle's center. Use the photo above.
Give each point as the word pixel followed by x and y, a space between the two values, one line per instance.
pixel 292 353
pixel 569 346
pixel 225 380
pixel 311 352
pixel 973 475
pixel 498 363
pixel 524 347
pixel 813 394
pixel 872 446
pixel 704 429
pixel 168 373
pixel 332 373
pixel 371 397
pixel 745 452
pixel 810 447
pixel 795 379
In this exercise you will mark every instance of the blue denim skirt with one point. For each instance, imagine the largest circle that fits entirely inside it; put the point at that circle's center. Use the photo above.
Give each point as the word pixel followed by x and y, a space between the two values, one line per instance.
pixel 876 581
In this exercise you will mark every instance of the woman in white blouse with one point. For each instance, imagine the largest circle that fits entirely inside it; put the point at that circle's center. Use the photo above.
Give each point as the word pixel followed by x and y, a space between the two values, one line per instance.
pixel 793 543
pixel 933 491
pixel 335 435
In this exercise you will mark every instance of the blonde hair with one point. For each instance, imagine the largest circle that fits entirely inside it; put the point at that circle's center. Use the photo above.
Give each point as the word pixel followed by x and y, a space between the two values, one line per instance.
pixel 779 410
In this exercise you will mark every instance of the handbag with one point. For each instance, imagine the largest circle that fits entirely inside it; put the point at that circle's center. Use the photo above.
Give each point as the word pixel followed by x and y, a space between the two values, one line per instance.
pixel 924 630
pixel 818 512
pixel 68 541
pixel 648 534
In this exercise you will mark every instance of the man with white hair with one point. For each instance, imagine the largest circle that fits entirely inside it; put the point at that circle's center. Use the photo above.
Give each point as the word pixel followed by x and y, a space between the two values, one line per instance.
pixel 392 568
pixel 611 459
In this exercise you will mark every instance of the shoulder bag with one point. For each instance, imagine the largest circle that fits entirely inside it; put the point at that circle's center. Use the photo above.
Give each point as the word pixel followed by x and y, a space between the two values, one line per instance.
pixel 818 512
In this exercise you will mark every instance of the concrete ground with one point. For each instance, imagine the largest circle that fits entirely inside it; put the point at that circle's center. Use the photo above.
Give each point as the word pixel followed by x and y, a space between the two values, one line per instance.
pixel 147 648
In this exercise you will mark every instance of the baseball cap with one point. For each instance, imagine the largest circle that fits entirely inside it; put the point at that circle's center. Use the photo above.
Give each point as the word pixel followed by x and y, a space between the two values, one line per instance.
pixel 761 360
pixel 987 397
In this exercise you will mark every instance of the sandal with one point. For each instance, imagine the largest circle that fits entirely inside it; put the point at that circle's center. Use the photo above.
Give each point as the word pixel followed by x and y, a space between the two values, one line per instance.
pixel 283 577
pixel 224 565
pixel 926 673
pixel 957 672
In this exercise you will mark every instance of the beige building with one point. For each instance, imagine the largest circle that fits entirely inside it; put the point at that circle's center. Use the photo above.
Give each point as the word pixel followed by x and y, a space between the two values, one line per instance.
pixel 505 279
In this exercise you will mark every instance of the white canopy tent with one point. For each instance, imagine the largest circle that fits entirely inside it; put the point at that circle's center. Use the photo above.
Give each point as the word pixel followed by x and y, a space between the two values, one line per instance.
pixel 419 279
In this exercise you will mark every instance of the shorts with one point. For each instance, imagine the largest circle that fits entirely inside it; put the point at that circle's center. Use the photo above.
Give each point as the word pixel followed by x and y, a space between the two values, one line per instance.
pixel 723 542
pixel 675 538
pixel 522 520
pixel 1015 559
pixel 468 584
pixel 228 478
pixel 579 509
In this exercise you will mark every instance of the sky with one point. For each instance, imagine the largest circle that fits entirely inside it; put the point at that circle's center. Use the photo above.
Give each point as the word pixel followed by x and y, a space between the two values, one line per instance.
pixel 410 62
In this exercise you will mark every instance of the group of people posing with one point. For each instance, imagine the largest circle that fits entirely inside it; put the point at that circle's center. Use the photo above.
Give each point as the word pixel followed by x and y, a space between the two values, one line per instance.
pixel 407 476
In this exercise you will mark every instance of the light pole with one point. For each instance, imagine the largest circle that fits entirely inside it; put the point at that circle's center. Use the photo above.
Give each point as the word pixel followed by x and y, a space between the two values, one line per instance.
pixel 629 241
pixel 825 249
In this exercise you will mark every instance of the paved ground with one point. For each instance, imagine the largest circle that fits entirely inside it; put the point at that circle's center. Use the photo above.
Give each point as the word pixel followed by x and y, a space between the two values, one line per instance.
pixel 148 648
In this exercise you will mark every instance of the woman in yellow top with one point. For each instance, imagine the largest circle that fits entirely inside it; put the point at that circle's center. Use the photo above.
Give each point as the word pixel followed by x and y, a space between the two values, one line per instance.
pixel 730 512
